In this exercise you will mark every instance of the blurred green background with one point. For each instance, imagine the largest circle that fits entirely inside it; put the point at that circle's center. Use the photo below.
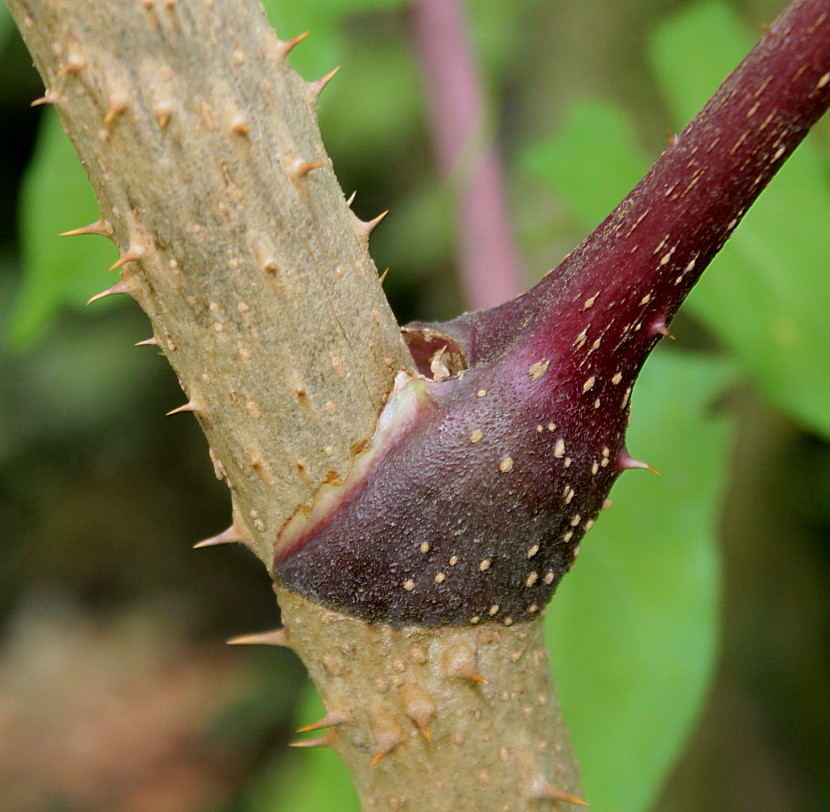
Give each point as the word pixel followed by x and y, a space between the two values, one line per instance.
pixel 690 644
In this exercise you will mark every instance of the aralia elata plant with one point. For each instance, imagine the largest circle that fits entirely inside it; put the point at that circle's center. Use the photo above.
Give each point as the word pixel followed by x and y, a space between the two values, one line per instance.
pixel 416 508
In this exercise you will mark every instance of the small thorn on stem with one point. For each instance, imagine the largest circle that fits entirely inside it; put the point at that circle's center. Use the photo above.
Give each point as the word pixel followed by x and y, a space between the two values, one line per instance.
pixel 277 637
pixel 332 719
pixel 134 252
pixel 363 229
pixel 460 661
pixel 119 288
pixel 190 406
pixel 316 88
pixel 229 536
pixel 625 462
pixel 148 342
pixel 659 328
pixel 286 46
pixel 47 98
pixel 100 228
pixel 351 198
pixel 299 168
pixel 544 789
pixel 382 277
pixel 323 741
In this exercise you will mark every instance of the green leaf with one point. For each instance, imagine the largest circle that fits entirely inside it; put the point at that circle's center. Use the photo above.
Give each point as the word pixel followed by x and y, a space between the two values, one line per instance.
pixel 592 161
pixel 58 271
pixel 633 628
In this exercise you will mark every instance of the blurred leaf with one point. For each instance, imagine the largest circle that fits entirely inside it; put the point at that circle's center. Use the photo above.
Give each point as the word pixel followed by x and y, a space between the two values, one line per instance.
pixel 56 197
pixel 592 161
pixel 633 628
pixel 6 23
pixel 759 295
pixel 316 779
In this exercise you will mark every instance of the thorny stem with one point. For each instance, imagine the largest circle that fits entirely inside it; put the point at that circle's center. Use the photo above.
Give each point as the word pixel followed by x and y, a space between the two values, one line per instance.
pixel 135 84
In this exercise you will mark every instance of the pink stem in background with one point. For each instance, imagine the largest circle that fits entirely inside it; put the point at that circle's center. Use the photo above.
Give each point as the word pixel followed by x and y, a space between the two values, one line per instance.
pixel 487 256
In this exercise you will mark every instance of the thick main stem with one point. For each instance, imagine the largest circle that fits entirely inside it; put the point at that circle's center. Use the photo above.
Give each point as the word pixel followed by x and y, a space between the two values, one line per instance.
pixel 202 147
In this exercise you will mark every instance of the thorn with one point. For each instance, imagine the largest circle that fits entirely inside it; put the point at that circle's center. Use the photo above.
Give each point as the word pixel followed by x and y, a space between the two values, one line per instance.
pixel 460 661
pixel 351 199
pixel 332 719
pixel 383 276
pixel 323 741
pixel 659 328
pixel 316 88
pixel 190 406
pixel 163 112
pixel 287 46
pixel 544 789
pixel 363 229
pixel 388 735
pixel 240 126
pixel 148 342
pixel 100 228
pixel 73 65
pixel 300 168
pixel 134 252
pixel 229 536
pixel 419 706
pixel 47 98
pixel 626 462
pixel 277 637
pixel 121 287
pixel 118 104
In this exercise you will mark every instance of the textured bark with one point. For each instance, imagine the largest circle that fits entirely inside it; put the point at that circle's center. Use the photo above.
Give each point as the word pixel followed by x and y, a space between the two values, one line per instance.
pixel 440 720
pixel 200 143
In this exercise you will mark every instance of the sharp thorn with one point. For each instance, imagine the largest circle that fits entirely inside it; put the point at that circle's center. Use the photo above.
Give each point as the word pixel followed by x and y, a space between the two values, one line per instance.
pixel 47 98
pixel 229 536
pixel 382 277
pixel 277 637
pixel 300 168
pixel 100 228
pixel 120 287
pixel 659 328
pixel 190 406
pixel 148 342
pixel 351 199
pixel 316 88
pixel 288 45
pixel 544 789
pixel 371 225
pixel 332 719
pixel 625 462
pixel 323 741
pixel 132 253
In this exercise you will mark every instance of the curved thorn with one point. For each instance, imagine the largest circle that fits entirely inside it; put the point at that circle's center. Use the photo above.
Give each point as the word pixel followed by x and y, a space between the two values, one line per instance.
pixel 625 462
pixel 544 789
pixel 659 328
pixel 190 406
pixel 120 287
pixel 277 637
pixel 47 98
pixel 148 342
pixel 332 719
pixel 132 253
pixel 229 536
